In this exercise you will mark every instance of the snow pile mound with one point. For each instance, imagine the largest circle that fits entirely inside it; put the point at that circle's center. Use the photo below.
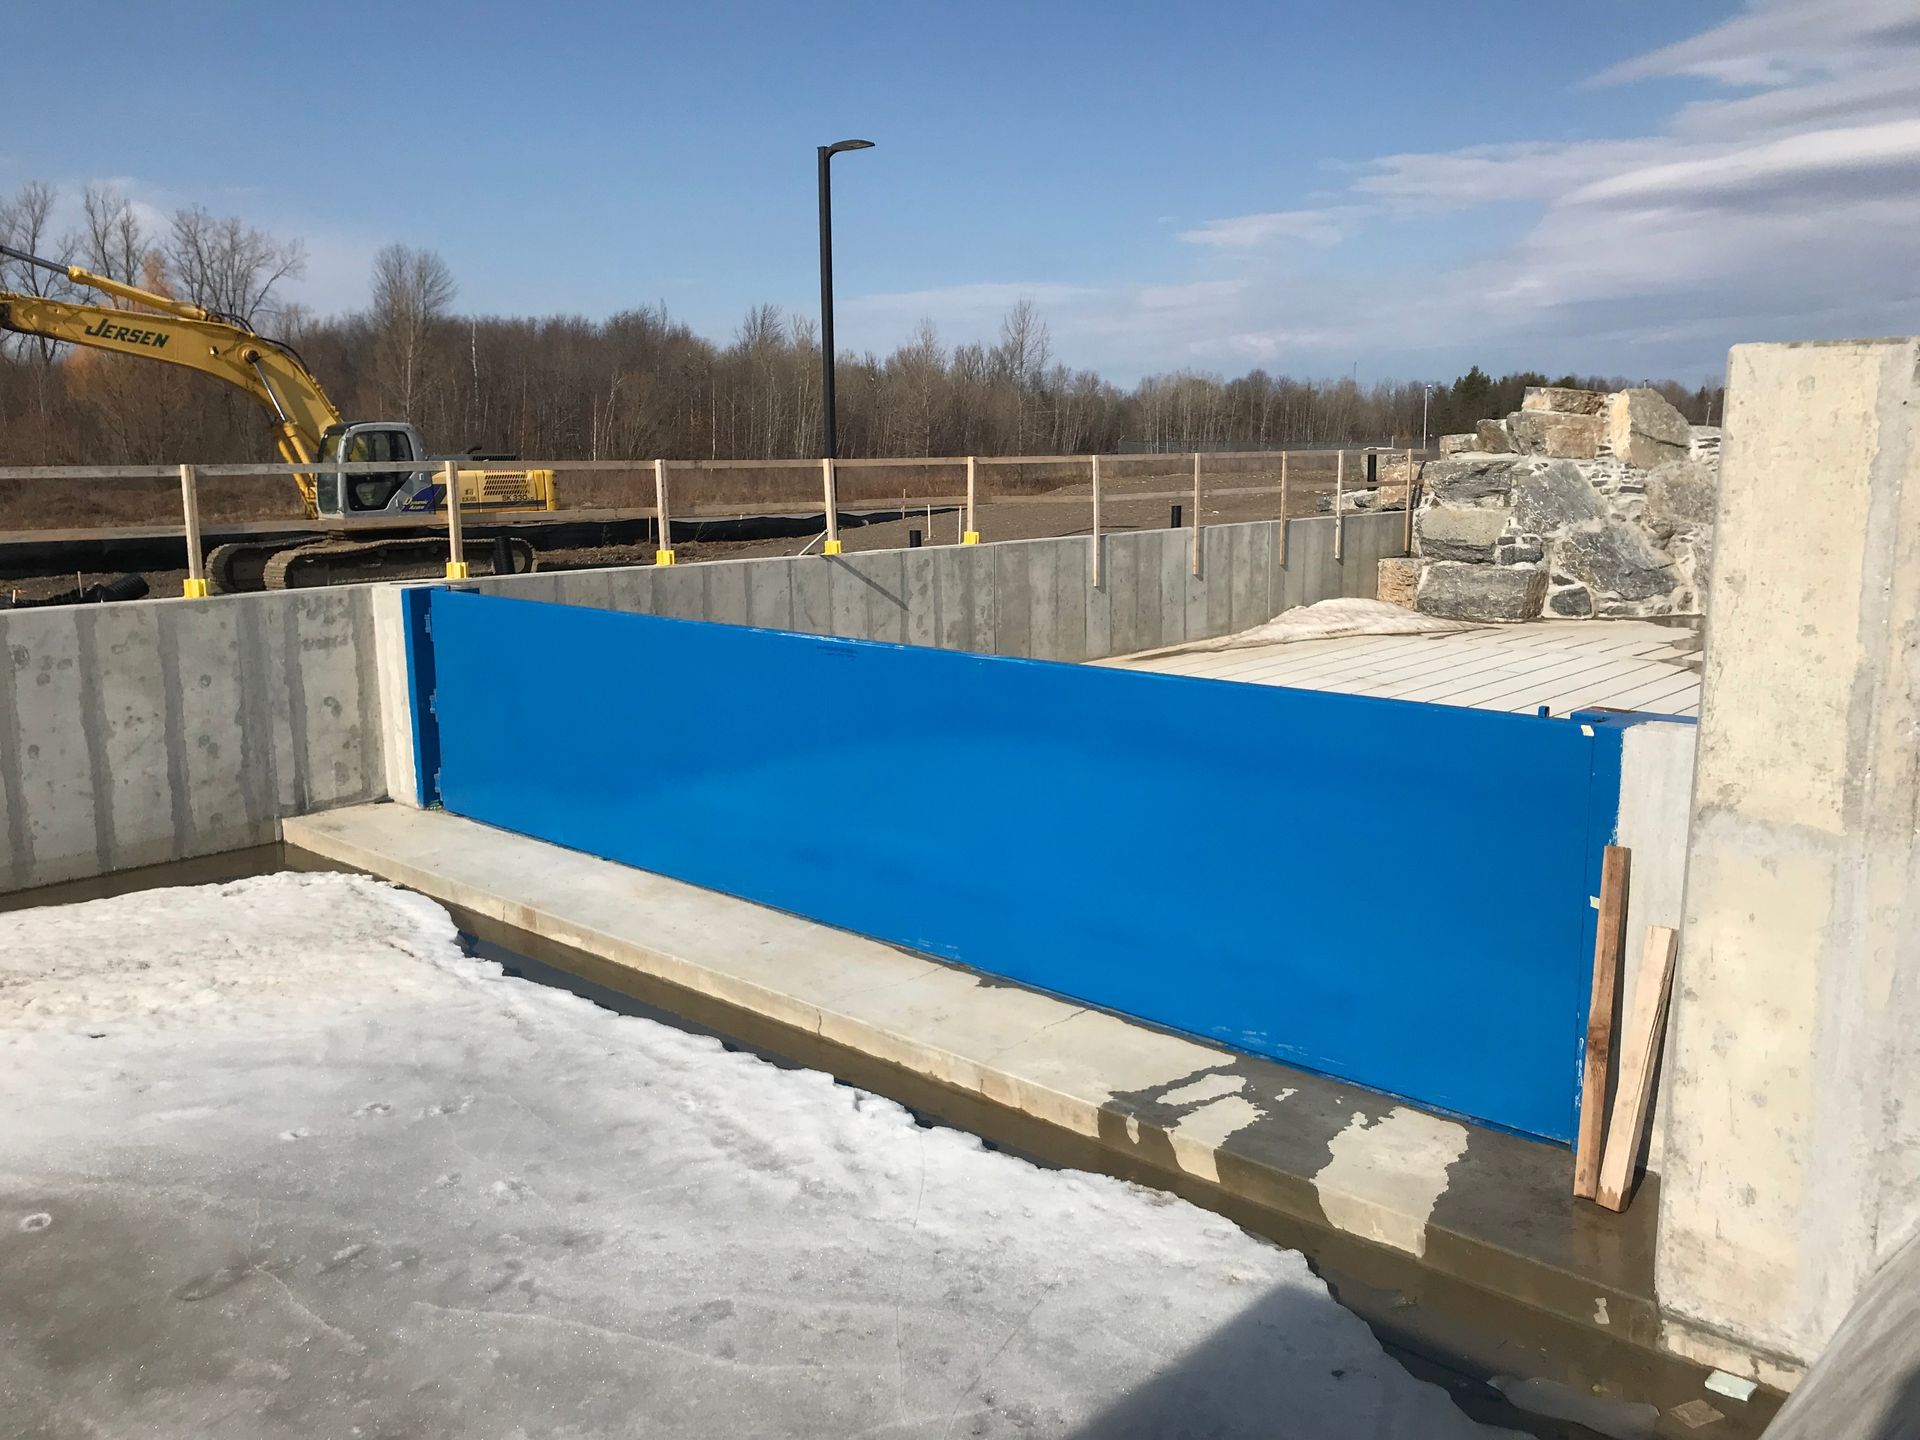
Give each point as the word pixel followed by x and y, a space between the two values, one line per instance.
pixel 281 1160
pixel 1324 620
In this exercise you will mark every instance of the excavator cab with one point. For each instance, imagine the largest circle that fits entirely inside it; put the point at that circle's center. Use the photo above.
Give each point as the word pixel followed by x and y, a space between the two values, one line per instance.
pixel 373 492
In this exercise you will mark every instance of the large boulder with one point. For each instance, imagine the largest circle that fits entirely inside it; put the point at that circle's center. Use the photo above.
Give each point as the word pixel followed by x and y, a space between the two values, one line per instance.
pixel 1469 479
pixel 1681 492
pixel 1644 430
pixel 1399 580
pixel 1493 437
pixel 1458 591
pixel 1459 532
pixel 1560 400
pixel 1458 444
pixel 1545 501
pixel 1573 602
pixel 1614 557
pixel 1560 437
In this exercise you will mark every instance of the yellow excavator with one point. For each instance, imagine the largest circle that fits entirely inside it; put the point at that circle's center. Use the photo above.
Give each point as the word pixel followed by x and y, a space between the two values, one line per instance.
pixel 307 429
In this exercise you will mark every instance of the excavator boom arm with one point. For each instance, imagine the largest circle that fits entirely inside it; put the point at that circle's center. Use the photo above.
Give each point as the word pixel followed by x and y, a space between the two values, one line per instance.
pixel 272 375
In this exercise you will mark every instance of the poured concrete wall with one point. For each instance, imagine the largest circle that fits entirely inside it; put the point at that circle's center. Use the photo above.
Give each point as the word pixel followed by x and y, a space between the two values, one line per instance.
pixel 1656 786
pixel 1866 1386
pixel 1031 598
pixel 136 734
pixel 1792 1164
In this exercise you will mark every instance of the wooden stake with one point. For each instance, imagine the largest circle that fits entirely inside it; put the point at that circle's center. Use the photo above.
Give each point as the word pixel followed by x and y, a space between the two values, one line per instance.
pixel 1615 867
pixel 1283 507
pixel 195 587
pixel 1645 1029
pixel 456 532
pixel 663 523
pixel 1099 555
pixel 1194 562
pixel 832 502
pixel 1339 493
pixel 971 535
pixel 1406 535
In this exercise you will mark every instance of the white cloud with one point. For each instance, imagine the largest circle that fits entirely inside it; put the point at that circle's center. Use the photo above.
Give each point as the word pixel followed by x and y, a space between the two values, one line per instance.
pixel 1252 232
pixel 1787 211
pixel 1863 159
pixel 1495 174
pixel 1775 42
pixel 1857 97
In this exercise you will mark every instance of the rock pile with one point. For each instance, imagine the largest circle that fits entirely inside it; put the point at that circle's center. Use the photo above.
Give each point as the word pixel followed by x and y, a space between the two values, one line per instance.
pixel 1577 504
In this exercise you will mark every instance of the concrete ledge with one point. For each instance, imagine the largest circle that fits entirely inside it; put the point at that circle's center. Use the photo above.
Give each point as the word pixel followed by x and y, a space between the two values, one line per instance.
pixel 1467 1205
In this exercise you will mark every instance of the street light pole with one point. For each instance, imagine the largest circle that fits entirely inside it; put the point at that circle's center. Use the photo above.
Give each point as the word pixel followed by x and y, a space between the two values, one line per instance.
pixel 1426 394
pixel 829 440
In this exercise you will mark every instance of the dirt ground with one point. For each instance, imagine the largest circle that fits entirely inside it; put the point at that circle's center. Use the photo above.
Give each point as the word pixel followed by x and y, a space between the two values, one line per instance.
pixel 1016 503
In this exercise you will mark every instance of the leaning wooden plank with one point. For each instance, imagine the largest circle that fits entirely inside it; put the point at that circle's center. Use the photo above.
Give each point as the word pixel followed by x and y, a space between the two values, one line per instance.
pixel 1645 1028
pixel 1615 867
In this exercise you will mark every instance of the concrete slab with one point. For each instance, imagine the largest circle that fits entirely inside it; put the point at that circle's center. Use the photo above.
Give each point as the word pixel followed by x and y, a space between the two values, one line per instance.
pixel 1564 664
pixel 1473 1208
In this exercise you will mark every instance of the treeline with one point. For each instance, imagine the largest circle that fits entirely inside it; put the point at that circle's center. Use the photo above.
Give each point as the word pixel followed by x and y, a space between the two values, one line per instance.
pixel 637 385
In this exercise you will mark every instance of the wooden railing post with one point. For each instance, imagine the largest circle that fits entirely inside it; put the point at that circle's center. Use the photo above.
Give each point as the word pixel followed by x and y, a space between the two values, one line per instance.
pixel 832 501
pixel 195 585
pixel 1406 536
pixel 1195 561
pixel 1339 495
pixel 1099 547
pixel 663 522
pixel 456 532
pixel 1283 507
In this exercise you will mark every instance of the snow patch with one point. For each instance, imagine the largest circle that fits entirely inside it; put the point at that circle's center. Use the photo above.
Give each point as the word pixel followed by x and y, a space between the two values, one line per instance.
pixel 327 1172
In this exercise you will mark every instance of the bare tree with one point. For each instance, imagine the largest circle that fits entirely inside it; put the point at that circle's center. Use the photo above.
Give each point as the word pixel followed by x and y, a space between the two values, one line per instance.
pixel 26 224
pixel 411 292
pixel 113 240
pixel 1021 359
pixel 227 266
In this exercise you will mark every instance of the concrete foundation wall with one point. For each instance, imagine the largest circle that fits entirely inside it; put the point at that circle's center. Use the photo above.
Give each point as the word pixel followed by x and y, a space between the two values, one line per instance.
pixel 136 734
pixel 1031 598
pixel 1792 1164
pixel 1656 786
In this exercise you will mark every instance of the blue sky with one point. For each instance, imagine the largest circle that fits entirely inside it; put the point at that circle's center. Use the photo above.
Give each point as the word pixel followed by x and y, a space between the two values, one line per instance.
pixel 1409 188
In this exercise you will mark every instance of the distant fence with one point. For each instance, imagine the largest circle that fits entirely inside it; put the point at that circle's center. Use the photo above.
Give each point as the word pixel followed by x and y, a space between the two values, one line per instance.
pixel 1221 859
pixel 37 498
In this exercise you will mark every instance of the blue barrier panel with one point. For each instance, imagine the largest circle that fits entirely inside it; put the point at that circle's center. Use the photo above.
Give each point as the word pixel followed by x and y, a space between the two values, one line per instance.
pixel 1393 893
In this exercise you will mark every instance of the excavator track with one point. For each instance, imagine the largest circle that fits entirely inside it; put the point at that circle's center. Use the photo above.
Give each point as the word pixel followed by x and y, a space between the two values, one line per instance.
pixel 345 562
pixel 236 569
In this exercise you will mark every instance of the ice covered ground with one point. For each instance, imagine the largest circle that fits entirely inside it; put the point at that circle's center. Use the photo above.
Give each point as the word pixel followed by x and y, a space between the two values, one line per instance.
pixel 276 1159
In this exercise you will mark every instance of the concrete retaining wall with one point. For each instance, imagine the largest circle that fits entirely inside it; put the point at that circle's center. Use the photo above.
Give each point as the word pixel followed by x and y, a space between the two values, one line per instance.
pixel 1656 788
pixel 1793 1146
pixel 1031 598
pixel 137 734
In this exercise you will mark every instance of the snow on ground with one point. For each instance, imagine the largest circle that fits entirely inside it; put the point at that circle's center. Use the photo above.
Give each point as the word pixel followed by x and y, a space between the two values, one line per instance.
pixel 278 1160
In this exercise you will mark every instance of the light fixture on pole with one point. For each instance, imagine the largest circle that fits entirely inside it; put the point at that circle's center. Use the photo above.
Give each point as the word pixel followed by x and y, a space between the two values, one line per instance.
pixel 829 440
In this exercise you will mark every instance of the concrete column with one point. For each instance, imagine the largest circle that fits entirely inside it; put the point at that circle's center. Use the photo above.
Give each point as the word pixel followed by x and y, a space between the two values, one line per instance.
pixel 1792 1159
pixel 395 689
